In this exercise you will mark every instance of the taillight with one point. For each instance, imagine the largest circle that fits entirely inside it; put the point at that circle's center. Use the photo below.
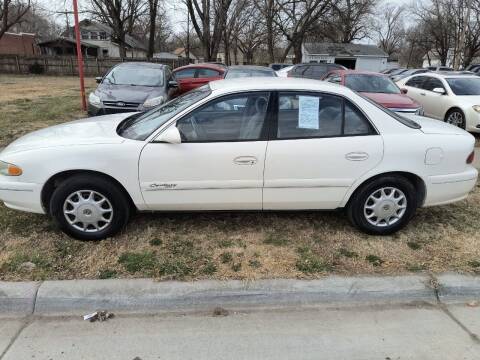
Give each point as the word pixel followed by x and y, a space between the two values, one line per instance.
pixel 471 157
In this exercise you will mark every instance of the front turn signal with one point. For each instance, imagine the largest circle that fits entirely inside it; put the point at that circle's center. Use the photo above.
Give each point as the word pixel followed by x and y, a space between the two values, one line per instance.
pixel 10 169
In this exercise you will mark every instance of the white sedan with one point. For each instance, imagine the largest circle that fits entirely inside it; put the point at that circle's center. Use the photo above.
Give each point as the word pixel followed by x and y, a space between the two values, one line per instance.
pixel 268 144
pixel 450 96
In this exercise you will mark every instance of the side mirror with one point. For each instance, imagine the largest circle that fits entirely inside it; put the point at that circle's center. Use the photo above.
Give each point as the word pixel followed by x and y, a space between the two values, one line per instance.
pixel 170 136
pixel 440 91
pixel 403 90
pixel 98 79
pixel 172 84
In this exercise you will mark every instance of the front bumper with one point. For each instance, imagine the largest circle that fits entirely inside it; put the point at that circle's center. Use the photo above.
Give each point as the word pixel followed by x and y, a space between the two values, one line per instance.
pixel 446 189
pixel 22 196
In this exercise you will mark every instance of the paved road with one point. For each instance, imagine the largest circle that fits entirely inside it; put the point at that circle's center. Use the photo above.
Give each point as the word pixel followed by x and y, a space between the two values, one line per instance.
pixel 407 332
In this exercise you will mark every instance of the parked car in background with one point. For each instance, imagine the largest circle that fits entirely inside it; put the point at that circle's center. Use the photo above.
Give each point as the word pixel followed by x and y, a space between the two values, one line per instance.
pixel 238 145
pixel 284 72
pixel 239 71
pixel 277 67
pixel 397 71
pixel 376 86
pixel 406 73
pixel 451 97
pixel 313 70
pixel 131 86
pixel 389 71
pixel 439 68
pixel 190 77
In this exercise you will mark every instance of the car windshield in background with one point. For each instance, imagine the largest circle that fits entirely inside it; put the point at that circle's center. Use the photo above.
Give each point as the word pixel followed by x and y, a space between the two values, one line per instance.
pixel 371 84
pixel 140 127
pixel 233 74
pixel 135 75
pixel 464 86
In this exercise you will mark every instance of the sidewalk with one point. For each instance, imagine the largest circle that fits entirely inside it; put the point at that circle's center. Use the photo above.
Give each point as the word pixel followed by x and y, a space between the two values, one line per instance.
pixel 404 317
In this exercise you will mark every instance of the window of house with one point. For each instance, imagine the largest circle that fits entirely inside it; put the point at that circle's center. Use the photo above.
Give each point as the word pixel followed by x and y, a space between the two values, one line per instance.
pixel 105 52
pixel 103 35
pixel 85 35
pixel 94 35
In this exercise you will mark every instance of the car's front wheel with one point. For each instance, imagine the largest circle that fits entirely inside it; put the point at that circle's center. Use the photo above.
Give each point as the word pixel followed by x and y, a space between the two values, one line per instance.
pixel 455 117
pixel 89 207
pixel 383 206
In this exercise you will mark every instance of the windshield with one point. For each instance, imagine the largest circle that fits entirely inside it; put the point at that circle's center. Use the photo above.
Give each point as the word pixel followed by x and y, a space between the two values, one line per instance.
pixel 405 121
pixel 141 127
pixel 135 75
pixel 241 73
pixel 464 86
pixel 371 84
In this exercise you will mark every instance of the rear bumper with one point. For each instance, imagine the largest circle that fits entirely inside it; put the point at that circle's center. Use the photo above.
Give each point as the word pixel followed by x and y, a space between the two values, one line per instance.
pixel 21 196
pixel 446 189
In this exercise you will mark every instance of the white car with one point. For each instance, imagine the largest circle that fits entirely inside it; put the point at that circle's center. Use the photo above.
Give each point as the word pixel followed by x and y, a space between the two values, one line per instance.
pixel 240 144
pixel 284 71
pixel 451 97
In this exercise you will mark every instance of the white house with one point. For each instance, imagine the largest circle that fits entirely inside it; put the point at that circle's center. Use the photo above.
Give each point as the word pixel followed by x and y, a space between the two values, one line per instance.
pixel 352 56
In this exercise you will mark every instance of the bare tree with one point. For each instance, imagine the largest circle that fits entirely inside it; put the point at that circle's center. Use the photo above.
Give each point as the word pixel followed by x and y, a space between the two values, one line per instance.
pixel 121 16
pixel 348 20
pixel 251 32
pixel 209 20
pixel 389 28
pixel 416 45
pixel 11 13
pixel 268 10
pixel 472 34
pixel 295 18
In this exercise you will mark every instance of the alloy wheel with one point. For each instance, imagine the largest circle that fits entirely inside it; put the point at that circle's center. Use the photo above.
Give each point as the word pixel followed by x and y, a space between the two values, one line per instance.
pixel 455 118
pixel 385 206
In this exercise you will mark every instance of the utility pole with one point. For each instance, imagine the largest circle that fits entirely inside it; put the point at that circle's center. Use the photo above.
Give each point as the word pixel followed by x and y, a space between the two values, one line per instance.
pixel 79 55
pixel 187 50
pixel 461 42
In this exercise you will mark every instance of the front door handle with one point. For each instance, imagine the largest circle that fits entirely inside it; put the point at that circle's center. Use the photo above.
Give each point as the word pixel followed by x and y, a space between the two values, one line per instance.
pixel 245 160
pixel 357 156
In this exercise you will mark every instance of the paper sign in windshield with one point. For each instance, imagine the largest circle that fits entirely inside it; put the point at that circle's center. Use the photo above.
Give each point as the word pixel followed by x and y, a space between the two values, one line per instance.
pixel 308 112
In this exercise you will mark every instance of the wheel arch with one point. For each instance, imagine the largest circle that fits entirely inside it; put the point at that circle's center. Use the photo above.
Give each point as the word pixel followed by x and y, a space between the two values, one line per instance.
pixel 417 181
pixel 52 183
pixel 451 108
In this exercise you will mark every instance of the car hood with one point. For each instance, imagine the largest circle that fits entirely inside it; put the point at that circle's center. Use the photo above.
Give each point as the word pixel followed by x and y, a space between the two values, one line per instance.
pixel 128 93
pixel 433 126
pixel 97 130
pixel 392 100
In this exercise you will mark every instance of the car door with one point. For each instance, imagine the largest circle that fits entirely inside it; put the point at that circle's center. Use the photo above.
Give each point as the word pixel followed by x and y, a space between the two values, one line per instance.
pixel 204 76
pixel 218 165
pixel 433 106
pixel 319 146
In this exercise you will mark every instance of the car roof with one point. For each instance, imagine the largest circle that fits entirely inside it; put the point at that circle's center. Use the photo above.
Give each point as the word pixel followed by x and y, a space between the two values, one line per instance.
pixel 202 66
pixel 249 67
pixel 142 64
pixel 275 83
pixel 447 74
pixel 358 72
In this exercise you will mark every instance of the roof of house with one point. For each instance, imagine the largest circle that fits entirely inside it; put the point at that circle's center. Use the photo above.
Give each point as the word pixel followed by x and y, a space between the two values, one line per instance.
pixel 165 55
pixel 182 51
pixel 339 49
pixel 61 39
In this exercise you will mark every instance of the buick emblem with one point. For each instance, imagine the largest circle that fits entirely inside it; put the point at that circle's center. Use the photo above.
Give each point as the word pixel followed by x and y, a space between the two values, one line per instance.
pixel 120 104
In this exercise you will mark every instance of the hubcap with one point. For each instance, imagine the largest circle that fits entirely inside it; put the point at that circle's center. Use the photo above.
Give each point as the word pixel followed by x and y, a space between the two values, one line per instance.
pixel 385 206
pixel 455 118
pixel 88 211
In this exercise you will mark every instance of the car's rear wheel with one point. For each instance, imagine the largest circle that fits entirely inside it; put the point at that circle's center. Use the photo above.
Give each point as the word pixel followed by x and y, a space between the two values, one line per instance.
pixel 455 117
pixel 383 206
pixel 89 207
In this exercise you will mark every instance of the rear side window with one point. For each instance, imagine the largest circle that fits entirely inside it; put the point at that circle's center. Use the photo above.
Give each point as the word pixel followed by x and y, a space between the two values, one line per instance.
pixel 416 81
pixel 318 115
pixel 185 74
pixel 207 73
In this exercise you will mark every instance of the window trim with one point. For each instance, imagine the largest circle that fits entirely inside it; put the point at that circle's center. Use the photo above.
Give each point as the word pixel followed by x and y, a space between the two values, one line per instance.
pixel 274 126
pixel 264 134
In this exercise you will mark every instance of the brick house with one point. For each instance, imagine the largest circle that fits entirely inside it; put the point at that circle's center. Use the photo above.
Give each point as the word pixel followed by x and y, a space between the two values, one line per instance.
pixel 18 44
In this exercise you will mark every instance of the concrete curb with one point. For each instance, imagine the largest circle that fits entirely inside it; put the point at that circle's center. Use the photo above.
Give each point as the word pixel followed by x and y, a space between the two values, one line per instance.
pixel 145 295
pixel 18 298
pixel 454 287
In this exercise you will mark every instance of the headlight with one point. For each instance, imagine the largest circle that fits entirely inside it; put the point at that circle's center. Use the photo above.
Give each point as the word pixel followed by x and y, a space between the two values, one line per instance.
pixel 153 101
pixel 10 169
pixel 476 108
pixel 419 111
pixel 94 99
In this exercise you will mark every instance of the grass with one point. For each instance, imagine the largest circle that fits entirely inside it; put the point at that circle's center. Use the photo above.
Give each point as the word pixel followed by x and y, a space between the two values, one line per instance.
pixel 217 245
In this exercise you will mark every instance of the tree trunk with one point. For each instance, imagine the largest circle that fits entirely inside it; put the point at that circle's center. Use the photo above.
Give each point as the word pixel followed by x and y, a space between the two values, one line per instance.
pixel 297 51
pixel 270 35
pixel 153 17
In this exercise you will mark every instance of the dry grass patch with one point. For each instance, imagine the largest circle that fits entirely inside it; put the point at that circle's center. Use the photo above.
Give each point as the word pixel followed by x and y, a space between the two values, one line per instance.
pixel 243 246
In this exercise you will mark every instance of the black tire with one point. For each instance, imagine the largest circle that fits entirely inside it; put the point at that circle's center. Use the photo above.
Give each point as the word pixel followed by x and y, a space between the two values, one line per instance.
pixel 357 213
pixel 459 115
pixel 116 201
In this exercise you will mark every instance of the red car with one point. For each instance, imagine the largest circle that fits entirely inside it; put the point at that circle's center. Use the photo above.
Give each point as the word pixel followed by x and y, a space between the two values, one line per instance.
pixel 378 87
pixel 192 76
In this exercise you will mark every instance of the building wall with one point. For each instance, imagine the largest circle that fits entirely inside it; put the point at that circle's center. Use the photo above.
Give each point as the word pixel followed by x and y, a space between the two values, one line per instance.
pixel 18 44
pixel 376 64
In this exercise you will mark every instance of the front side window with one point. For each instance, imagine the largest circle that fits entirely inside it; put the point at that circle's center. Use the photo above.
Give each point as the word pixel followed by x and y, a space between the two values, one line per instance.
pixel 141 126
pixel 239 117
pixel 371 84
pixel 464 86
pixel 185 74
pixel 416 81
pixel 316 116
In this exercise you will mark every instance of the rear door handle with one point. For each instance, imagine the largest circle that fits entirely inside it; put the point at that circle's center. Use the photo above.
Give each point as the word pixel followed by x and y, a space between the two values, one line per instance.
pixel 357 156
pixel 245 160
